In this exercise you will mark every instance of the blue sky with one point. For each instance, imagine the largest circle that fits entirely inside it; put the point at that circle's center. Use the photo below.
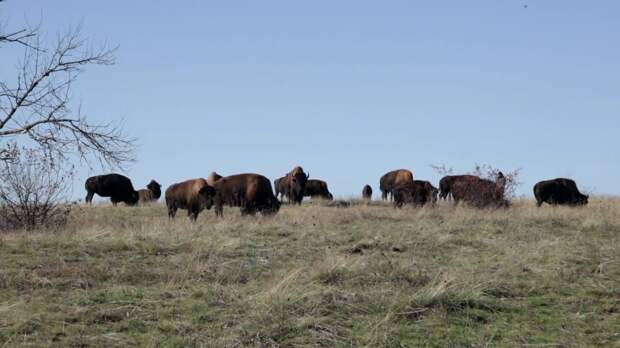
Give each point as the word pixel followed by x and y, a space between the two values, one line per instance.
pixel 352 89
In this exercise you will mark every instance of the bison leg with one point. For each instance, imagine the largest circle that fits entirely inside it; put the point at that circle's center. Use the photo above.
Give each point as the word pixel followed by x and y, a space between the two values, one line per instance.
pixel 193 214
pixel 219 210
pixel 89 197
pixel 443 195
pixel 172 211
pixel 539 202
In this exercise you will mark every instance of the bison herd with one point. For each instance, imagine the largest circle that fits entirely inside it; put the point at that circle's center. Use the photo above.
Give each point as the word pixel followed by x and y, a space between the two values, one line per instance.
pixel 253 193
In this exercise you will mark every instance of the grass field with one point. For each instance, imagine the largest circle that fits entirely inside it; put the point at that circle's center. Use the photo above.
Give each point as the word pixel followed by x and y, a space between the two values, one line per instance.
pixel 368 275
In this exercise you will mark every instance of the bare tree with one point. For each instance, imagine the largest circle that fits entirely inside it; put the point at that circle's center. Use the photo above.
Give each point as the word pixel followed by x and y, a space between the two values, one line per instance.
pixel 42 130
pixel 36 109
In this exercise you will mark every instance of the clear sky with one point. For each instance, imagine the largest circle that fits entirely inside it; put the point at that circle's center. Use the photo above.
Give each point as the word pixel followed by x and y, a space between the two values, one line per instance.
pixel 352 89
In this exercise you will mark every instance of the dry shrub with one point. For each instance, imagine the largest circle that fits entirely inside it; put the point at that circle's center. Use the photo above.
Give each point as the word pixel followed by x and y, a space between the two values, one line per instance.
pixel 32 187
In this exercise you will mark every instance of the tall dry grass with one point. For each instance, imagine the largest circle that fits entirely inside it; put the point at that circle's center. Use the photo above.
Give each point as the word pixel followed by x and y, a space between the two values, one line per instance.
pixel 366 275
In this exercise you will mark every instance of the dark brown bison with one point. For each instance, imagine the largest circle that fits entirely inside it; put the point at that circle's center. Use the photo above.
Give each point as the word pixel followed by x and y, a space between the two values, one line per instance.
pixel 251 192
pixel 280 185
pixel 430 189
pixel 416 193
pixel 117 187
pixel 392 179
pixel 296 183
pixel 446 183
pixel 559 191
pixel 186 195
pixel 367 192
pixel 480 193
pixel 151 193
pixel 317 189
pixel 212 178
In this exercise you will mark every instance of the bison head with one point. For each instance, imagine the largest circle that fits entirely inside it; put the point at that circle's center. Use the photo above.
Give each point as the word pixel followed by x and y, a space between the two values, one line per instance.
pixel 206 195
pixel 298 182
pixel 154 187
pixel 582 199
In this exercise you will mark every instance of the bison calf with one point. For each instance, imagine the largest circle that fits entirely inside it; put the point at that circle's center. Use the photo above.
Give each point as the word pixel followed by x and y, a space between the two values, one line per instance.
pixel 367 192
pixel 151 193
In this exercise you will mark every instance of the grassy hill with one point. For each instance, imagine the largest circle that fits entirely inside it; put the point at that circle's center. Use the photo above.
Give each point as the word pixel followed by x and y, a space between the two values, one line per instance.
pixel 367 275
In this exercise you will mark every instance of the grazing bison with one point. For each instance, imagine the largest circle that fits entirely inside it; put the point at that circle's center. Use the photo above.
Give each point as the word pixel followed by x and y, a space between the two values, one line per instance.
pixel 151 193
pixel 317 189
pixel 480 193
pixel 446 183
pixel 251 192
pixel 430 189
pixel 117 187
pixel 367 192
pixel 415 192
pixel 392 179
pixel 186 195
pixel 212 178
pixel 559 191
pixel 296 183
pixel 281 187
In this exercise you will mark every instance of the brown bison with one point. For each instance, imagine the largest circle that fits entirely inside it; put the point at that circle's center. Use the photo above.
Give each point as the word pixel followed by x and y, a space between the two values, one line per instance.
pixel 212 178
pixel 559 191
pixel 367 192
pixel 392 179
pixel 251 192
pixel 117 187
pixel 446 183
pixel 151 193
pixel 280 185
pixel 317 189
pixel 417 193
pixel 187 195
pixel 296 183
pixel 480 193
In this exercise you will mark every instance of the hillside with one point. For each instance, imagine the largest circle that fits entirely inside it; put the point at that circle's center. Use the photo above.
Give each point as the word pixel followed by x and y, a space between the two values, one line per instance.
pixel 368 275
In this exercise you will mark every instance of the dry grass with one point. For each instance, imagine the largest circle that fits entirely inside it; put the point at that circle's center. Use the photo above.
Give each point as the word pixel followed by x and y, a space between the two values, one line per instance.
pixel 367 275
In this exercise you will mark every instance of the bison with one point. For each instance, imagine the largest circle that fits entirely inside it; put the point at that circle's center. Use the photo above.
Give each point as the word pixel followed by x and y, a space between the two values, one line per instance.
pixel 317 189
pixel 446 183
pixel 480 193
pixel 559 191
pixel 151 193
pixel 414 192
pixel 280 185
pixel 296 183
pixel 367 192
pixel 251 192
pixel 431 190
pixel 392 179
pixel 187 195
pixel 117 187
pixel 212 178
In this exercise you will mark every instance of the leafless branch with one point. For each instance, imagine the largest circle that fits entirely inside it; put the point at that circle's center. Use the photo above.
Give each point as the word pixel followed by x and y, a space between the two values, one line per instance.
pixel 37 107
